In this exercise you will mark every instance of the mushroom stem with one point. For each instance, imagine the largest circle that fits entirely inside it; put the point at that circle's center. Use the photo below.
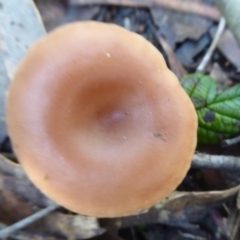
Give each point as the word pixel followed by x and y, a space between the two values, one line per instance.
pixel 207 57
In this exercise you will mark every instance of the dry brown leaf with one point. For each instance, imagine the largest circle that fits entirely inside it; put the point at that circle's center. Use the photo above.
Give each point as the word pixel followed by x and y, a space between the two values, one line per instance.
pixel 177 5
pixel 66 225
pixel 176 26
pixel 175 65
pixel 55 13
pixel 220 76
pixel 233 222
pixel 160 233
pixel 180 209
pixel 228 46
pixel 84 13
pixel 52 12
pixel 236 233
pixel 19 28
pixel 189 206
pixel 238 201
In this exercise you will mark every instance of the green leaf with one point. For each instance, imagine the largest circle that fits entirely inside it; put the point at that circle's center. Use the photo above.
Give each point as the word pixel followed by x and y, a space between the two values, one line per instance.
pixel 218 112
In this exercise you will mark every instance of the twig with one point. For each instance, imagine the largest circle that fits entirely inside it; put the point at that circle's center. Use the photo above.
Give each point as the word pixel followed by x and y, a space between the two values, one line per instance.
pixel 176 5
pixel 190 236
pixel 208 55
pixel 175 64
pixel 229 142
pixel 218 162
pixel 24 235
pixel 236 227
pixel 10 156
pixel 27 221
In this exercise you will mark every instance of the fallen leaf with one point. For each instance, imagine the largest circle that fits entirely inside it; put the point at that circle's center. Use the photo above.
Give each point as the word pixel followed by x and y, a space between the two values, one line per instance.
pixel 176 27
pixel 20 27
pixel 175 65
pixel 190 49
pixel 179 209
pixel 52 12
pixel 70 226
pixel 188 6
pixel 220 76
pixel 229 47
pixel 160 232
pixel 84 13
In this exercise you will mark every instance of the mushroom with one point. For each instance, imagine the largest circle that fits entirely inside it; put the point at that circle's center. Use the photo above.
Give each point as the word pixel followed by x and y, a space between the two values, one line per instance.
pixel 98 121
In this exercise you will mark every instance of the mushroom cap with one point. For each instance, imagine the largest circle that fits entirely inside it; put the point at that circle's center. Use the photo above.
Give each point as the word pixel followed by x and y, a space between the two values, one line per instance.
pixel 98 121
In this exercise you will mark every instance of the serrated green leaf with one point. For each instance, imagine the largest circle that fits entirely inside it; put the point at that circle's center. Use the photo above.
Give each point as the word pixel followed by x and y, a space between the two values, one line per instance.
pixel 218 112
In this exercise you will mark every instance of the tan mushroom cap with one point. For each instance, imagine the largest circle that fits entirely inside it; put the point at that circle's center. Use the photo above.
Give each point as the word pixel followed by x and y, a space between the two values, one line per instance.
pixel 98 122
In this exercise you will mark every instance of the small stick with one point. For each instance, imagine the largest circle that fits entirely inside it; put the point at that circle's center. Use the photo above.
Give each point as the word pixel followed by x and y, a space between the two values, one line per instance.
pixel 209 53
pixel 27 221
pixel 174 63
pixel 217 162
pixel 229 142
